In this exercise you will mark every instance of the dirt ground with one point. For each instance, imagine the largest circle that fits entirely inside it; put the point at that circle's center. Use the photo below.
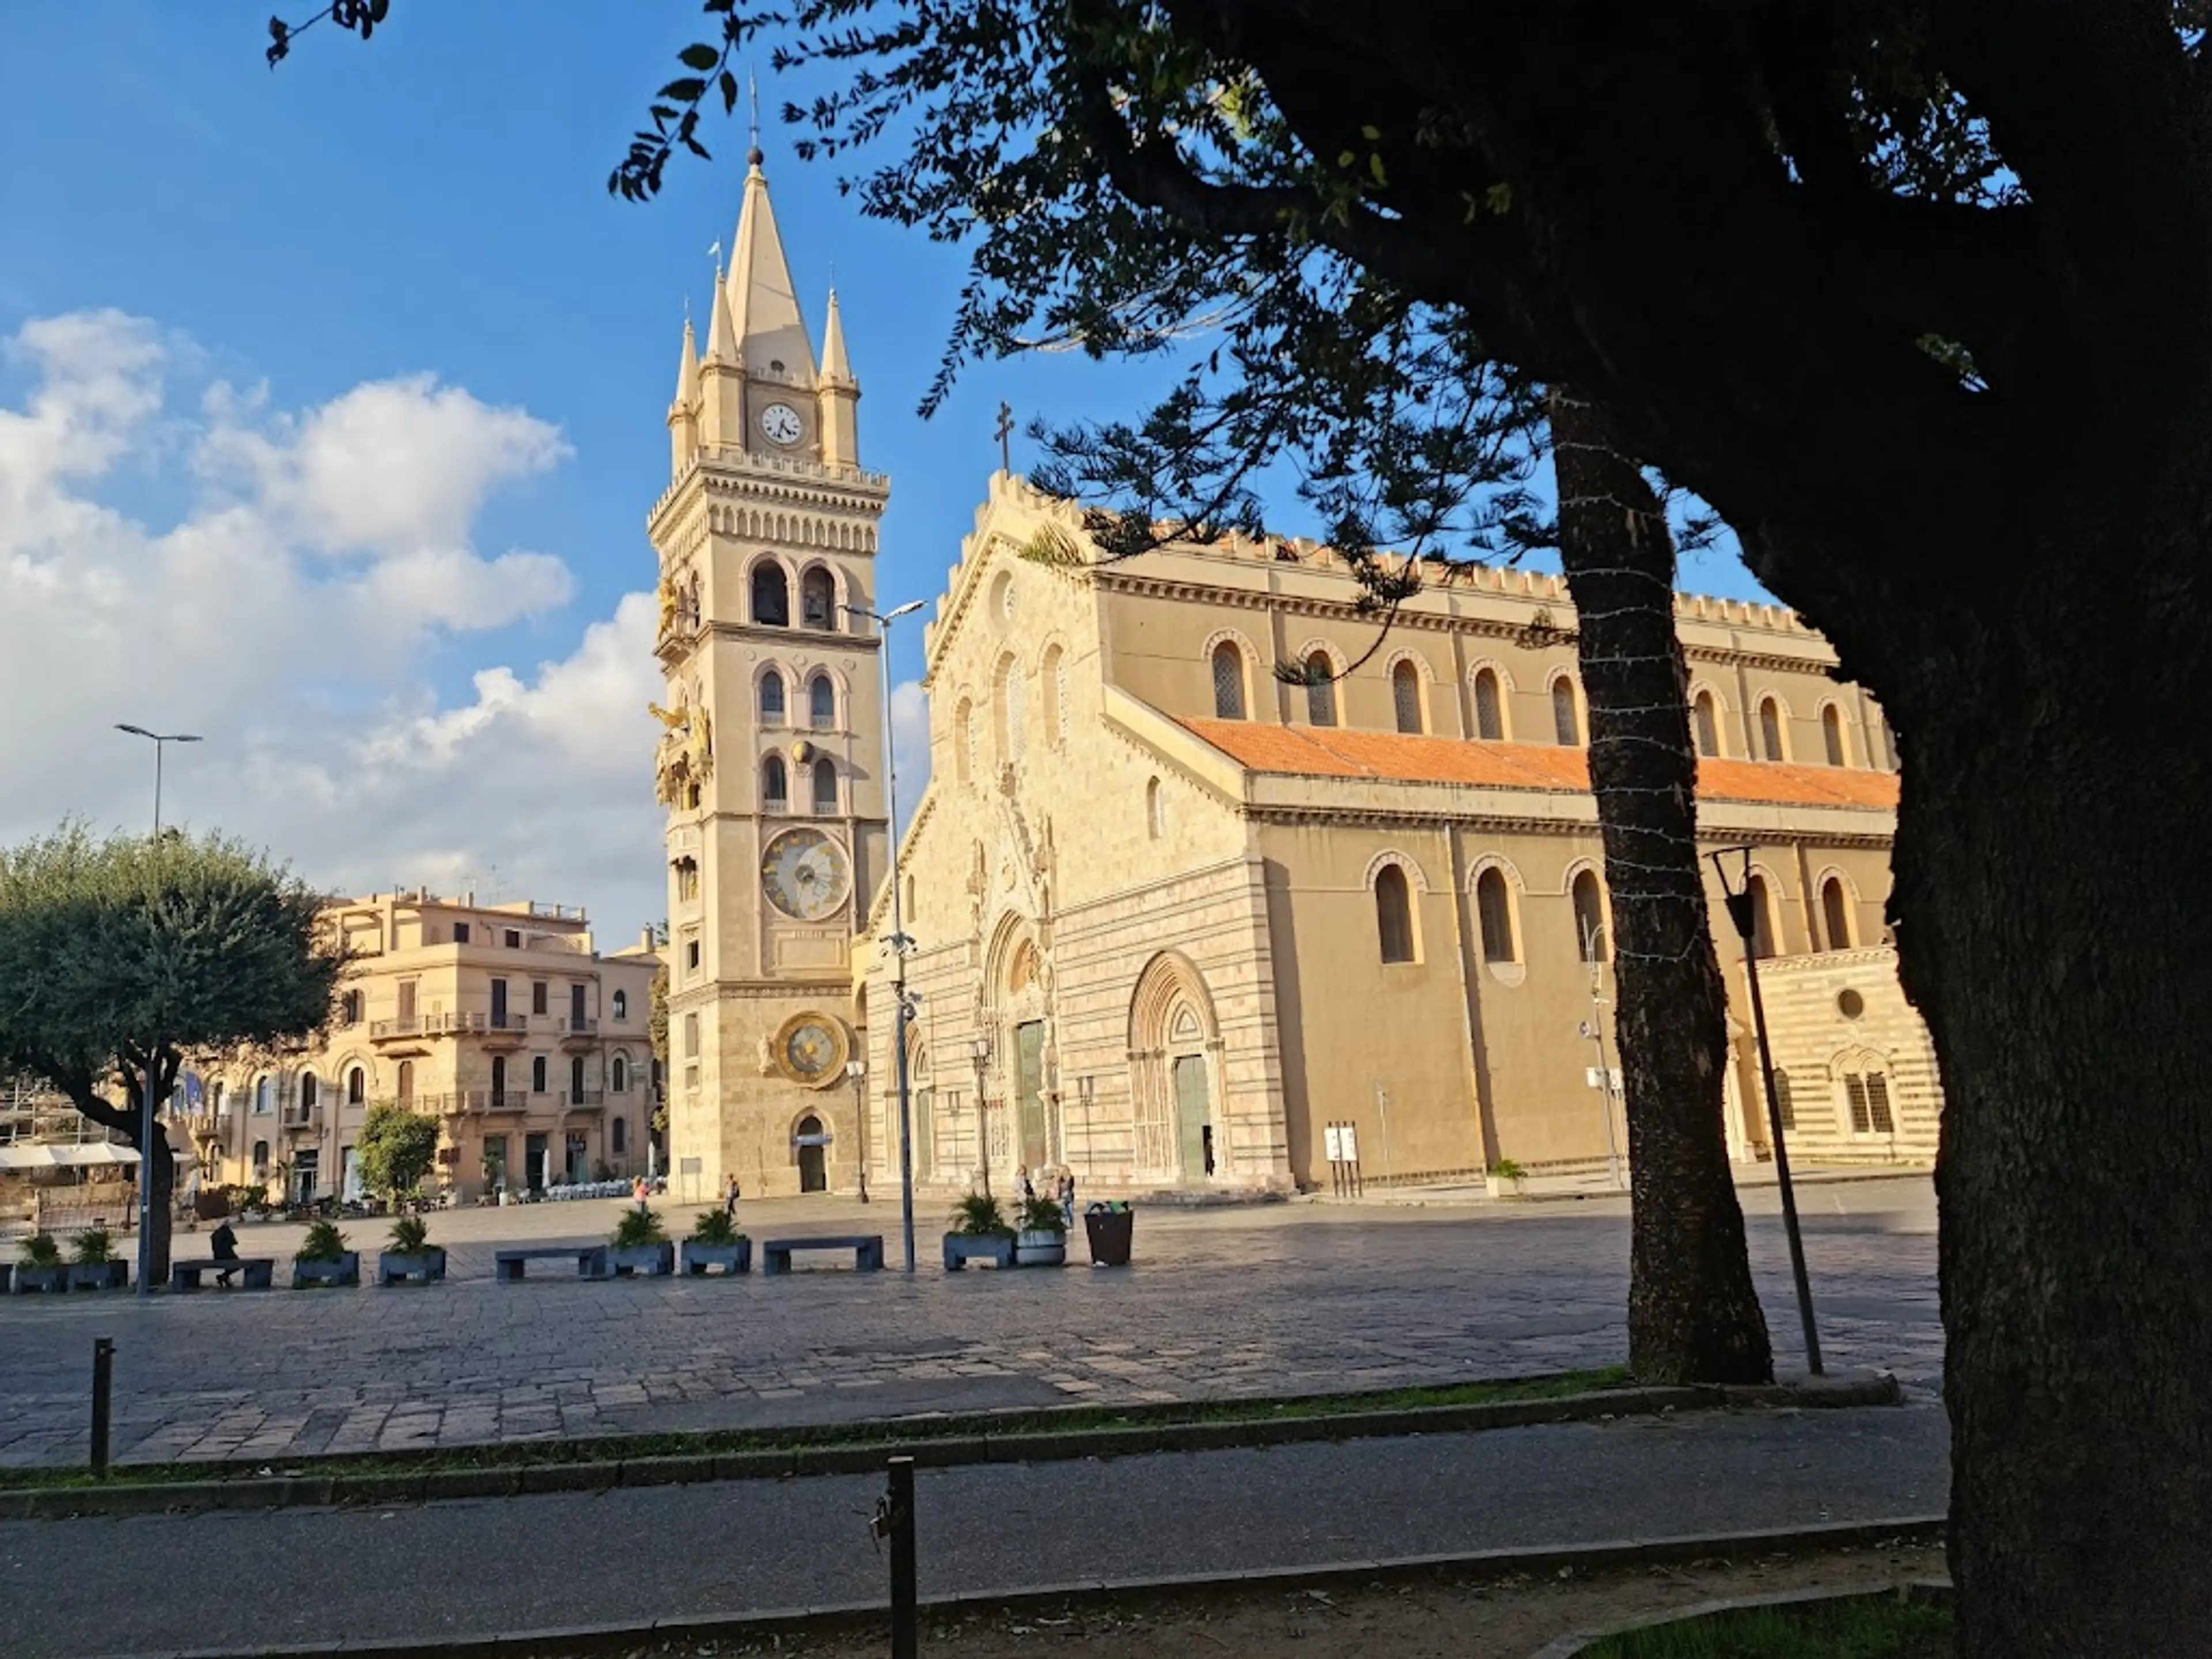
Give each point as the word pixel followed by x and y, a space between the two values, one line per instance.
pixel 1442 1618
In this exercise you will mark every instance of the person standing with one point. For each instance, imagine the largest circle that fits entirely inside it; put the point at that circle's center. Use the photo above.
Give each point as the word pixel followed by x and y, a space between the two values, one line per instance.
pixel 1066 1192
pixel 1023 1185
pixel 730 1200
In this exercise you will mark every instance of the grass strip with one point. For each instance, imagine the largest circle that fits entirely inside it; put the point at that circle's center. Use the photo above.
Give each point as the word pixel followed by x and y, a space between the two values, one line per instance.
pixel 1855 1627
pixel 1056 1420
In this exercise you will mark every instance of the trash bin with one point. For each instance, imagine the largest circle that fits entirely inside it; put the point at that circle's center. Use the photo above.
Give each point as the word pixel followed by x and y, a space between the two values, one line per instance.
pixel 1109 1231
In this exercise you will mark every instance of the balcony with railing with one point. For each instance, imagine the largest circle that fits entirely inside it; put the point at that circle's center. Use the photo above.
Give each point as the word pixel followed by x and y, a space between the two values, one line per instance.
pixel 583 1100
pixel 418 1027
pixel 505 1028
pixel 578 1028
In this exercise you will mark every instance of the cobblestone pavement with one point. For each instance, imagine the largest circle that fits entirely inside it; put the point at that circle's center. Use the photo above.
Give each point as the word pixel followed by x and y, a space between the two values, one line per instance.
pixel 1275 1299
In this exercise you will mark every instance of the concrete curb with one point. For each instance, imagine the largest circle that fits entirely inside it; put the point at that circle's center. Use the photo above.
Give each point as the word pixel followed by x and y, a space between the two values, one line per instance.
pixel 371 1487
pixel 844 1616
pixel 1571 1647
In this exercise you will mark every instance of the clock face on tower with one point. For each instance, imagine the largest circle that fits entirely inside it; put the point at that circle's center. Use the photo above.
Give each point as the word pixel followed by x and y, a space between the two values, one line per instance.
pixel 806 875
pixel 780 424
pixel 810 1047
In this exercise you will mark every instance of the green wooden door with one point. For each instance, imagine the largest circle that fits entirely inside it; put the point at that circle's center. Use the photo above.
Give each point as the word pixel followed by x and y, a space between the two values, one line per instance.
pixel 1029 1047
pixel 1194 1115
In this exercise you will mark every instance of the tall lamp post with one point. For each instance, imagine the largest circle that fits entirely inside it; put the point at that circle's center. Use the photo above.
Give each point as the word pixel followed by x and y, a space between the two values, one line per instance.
pixel 161 740
pixel 981 1050
pixel 1593 1030
pixel 1740 900
pixel 858 1071
pixel 898 940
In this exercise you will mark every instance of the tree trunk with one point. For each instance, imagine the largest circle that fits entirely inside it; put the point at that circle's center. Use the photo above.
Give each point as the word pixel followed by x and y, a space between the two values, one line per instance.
pixel 2049 876
pixel 159 1172
pixel 1693 1315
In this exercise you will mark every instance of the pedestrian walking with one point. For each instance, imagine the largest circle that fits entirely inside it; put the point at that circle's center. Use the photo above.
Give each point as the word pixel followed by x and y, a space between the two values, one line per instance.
pixel 730 1200
pixel 1066 1192
pixel 1023 1185
pixel 637 1192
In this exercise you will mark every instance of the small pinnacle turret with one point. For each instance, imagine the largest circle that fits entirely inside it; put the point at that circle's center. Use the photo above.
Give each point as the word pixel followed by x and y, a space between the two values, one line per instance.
pixel 687 371
pixel 834 367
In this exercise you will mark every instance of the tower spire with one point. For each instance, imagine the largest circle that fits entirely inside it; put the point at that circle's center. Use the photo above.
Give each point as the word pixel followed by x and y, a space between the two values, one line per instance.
pixel 836 368
pixel 687 368
pixel 771 334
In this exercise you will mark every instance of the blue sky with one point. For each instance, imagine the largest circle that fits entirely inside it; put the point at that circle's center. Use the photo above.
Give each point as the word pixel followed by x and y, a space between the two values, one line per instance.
pixel 432 204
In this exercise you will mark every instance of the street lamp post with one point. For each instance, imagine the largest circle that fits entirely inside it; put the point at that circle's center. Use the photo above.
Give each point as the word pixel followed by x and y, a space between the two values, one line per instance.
pixel 161 740
pixel 898 940
pixel 981 1050
pixel 1741 913
pixel 858 1071
pixel 1594 1029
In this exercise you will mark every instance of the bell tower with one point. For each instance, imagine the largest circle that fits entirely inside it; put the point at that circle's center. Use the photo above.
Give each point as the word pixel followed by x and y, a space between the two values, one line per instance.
pixel 769 761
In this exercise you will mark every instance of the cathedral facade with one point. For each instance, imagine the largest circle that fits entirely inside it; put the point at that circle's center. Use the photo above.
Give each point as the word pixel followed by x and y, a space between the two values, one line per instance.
pixel 769 761
pixel 1177 924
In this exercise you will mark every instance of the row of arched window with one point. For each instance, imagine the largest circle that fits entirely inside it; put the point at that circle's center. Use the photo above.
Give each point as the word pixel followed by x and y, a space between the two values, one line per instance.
pixel 1009 715
pixel 306 1088
pixel 820 777
pixel 1865 1098
pixel 1498 924
pixel 821 699
pixel 769 589
pixel 1772 727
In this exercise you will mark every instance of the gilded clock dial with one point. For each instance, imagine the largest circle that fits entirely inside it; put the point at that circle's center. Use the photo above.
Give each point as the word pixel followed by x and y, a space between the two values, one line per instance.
pixel 780 424
pixel 805 874
pixel 812 1048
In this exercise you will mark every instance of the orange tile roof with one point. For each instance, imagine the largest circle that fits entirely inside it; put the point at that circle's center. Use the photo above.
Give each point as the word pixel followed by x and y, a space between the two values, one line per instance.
pixel 1334 752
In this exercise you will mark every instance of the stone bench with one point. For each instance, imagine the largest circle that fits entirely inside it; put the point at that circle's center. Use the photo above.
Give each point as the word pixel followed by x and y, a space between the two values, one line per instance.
pixel 867 1251
pixel 961 1249
pixel 258 1271
pixel 591 1260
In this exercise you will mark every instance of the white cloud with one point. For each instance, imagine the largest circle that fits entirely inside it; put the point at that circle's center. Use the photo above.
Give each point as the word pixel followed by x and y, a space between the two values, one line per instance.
pixel 287 611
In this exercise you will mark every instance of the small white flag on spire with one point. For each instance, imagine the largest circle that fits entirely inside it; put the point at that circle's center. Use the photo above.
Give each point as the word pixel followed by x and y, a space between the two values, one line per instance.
pixel 716 253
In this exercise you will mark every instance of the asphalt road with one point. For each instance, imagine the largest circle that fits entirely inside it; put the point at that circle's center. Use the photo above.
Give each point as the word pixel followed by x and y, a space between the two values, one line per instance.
pixel 150 1585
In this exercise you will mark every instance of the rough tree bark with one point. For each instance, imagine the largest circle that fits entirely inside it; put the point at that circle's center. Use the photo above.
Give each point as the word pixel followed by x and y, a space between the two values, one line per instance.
pixel 1693 1315
pixel 129 1120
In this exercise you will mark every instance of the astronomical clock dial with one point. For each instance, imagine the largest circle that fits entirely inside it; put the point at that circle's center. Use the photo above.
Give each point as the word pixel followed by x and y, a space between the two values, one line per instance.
pixel 811 1048
pixel 780 424
pixel 806 875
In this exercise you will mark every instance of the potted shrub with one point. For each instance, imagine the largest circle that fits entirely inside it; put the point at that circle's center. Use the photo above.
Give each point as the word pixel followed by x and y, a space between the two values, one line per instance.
pixel 980 1233
pixel 40 1268
pixel 1503 1179
pixel 411 1255
pixel 324 1259
pixel 639 1245
pixel 715 1242
pixel 1042 1240
pixel 96 1267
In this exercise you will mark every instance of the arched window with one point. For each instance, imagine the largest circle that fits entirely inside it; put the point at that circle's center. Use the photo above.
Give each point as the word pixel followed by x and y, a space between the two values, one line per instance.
pixel 1156 820
pixel 963 739
pixel 216 1096
pixel 1393 914
pixel 1012 692
pixel 1405 695
pixel 1836 914
pixel 775 785
pixel 264 1098
pixel 310 1091
pixel 1832 735
pixel 817 598
pixel 771 595
pixel 822 703
pixel 618 1075
pixel 260 1157
pixel 1494 909
pixel 826 786
pixel 575 1078
pixel 622 1005
pixel 1868 1092
pixel 771 698
pixel 406 1080
pixel 1784 1107
pixel 618 1137
pixel 1770 729
pixel 538 1075
pixel 1228 681
pixel 349 1008
pixel 356 1086
pixel 1589 916
pixel 1489 707
pixel 1762 918
pixel 1052 695
pixel 1706 725
pixel 1321 689
pixel 1565 725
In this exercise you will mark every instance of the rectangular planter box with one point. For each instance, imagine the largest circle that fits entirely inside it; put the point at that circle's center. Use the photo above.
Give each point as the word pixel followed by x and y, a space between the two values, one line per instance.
pixel 99 1275
pixel 961 1249
pixel 1040 1246
pixel 736 1258
pixel 346 1270
pixel 420 1266
pixel 647 1260
pixel 40 1281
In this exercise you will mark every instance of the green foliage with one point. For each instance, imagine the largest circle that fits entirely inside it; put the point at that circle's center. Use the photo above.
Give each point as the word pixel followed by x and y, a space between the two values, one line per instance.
pixel 656 1019
pixel 39 1250
pixel 94 1247
pixel 324 1242
pixel 1506 1170
pixel 1043 1215
pixel 639 1227
pixel 1879 1626
pixel 410 1236
pixel 979 1217
pixel 714 1227
pixel 397 1147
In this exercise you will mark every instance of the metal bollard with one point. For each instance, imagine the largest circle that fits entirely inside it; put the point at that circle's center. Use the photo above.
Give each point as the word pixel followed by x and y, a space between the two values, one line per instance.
pixel 103 1376
pixel 906 1617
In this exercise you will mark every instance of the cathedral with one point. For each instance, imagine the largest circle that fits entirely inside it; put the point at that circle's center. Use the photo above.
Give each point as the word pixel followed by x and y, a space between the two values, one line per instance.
pixel 1172 922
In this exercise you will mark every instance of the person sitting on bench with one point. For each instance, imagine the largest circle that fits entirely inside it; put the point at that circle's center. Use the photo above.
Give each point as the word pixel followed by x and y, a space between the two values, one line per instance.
pixel 222 1245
